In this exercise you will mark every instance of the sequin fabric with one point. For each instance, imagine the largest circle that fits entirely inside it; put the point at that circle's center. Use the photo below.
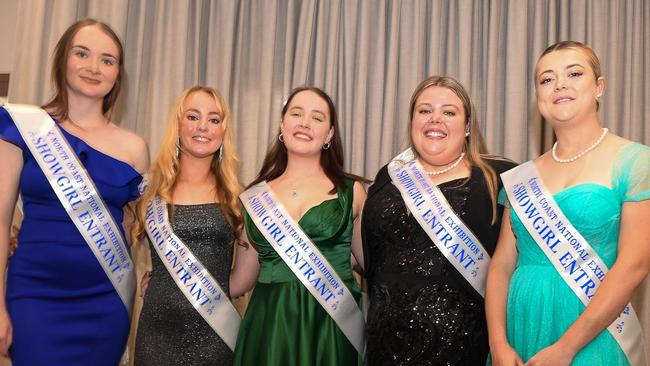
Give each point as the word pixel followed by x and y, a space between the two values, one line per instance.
pixel 421 310
pixel 170 330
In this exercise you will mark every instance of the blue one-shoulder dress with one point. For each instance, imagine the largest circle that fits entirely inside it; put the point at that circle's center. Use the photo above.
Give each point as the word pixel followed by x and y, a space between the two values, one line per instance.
pixel 63 308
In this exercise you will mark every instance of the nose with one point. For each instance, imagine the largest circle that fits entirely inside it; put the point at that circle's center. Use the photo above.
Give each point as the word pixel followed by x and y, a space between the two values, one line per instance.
pixel 304 122
pixel 93 65
pixel 203 124
pixel 560 83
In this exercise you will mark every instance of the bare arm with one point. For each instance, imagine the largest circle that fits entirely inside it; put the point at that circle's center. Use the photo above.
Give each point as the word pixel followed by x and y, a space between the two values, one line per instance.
pixel 11 165
pixel 502 266
pixel 357 208
pixel 616 290
pixel 245 270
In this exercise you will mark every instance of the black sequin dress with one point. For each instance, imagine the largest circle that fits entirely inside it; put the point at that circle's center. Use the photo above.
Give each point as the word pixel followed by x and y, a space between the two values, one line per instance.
pixel 170 330
pixel 421 310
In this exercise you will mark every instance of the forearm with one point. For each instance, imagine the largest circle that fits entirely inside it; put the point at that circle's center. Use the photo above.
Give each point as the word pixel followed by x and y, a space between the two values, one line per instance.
pixel 496 299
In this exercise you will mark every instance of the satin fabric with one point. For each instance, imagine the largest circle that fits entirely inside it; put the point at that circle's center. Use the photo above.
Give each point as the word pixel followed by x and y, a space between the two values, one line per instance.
pixel 284 324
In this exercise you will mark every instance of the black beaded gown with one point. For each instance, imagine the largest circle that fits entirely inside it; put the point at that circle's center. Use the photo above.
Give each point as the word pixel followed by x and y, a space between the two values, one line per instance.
pixel 421 310
pixel 170 330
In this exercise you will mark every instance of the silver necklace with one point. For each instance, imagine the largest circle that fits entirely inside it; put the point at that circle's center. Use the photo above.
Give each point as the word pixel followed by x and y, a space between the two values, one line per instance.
pixel 452 166
pixel 580 154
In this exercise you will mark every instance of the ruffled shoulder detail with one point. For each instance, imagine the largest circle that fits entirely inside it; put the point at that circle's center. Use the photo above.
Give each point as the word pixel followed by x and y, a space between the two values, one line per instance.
pixel 631 173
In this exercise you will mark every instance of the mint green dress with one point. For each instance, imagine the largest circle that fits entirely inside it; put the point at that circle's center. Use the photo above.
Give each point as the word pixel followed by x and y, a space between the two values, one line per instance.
pixel 284 324
pixel 541 306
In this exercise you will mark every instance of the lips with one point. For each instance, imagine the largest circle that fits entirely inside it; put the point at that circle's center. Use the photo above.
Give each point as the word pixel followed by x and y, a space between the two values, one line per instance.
pixel 90 80
pixel 563 99
pixel 201 139
pixel 435 134
pixel 302 136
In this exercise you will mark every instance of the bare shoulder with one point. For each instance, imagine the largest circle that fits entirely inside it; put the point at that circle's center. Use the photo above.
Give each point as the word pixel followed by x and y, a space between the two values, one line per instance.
pixel 359 197
pixel 135 146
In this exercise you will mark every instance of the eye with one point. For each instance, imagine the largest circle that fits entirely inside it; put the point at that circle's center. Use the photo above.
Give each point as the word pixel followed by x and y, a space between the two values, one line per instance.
pixel 424 111
pixel 449 113
pixel 319 118
pixel 108 61
pixel 81 53
pixel 192 117
pixel 575 74
pixel 545 80
pixel 295 114
pixel 215 121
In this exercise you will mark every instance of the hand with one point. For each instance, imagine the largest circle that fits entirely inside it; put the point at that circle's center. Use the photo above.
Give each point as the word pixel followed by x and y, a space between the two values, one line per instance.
pixel 553 355
pixel 6 333
pixel 13 239
pixel 505 355
pixel 145 283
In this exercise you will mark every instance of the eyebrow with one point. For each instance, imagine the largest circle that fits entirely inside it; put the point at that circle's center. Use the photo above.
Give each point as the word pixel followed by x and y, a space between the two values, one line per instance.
pixel 567 67
pixel 88 49
pixel 197 111
pixel 444 105
pixel 302 109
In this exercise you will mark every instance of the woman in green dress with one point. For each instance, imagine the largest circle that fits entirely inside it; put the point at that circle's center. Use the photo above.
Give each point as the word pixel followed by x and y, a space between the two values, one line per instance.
pixel 284 323
pixel 601 182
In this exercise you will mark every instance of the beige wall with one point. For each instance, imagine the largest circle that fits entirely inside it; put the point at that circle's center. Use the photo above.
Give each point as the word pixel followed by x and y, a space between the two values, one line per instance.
pixel 8 14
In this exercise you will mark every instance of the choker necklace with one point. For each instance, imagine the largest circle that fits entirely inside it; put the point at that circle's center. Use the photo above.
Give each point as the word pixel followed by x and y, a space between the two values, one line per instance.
pixel 580 154
pixel 452 166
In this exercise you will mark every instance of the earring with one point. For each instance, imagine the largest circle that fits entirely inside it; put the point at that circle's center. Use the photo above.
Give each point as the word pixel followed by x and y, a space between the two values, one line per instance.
pixel 178 147
pixel 326 146
pixel 466 133
pixel 221 153
pixel 281 138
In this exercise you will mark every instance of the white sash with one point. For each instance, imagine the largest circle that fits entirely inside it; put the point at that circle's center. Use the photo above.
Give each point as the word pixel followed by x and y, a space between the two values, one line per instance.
pixel 78 195
pixel 305 261
pixel 436 217
pixel 191 277
pixel 573 258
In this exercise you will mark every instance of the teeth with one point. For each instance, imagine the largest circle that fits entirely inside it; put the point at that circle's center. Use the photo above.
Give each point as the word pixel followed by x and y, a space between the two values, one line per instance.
pixel 200 138
pixel 435 134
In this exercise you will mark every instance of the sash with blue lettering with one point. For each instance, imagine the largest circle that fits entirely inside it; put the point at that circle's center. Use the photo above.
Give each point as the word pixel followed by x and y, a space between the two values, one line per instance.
pixel 191 276
pixel 436 217
pixel 297 251
pixel 78 195
pixel 573 258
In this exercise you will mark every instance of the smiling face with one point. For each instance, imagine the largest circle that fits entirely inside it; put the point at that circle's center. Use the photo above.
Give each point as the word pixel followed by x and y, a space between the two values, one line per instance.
pixel 306 125
pixel 566 86
pixel 438 126
pixel 92 63
pixel 201 127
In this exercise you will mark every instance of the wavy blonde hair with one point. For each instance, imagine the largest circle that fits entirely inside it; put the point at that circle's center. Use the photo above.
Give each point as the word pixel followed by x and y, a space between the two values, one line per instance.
pixel 474 146
pixel 164 170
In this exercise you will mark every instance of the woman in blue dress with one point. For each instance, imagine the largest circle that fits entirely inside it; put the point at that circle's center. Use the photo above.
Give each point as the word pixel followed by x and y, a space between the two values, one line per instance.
pixel 601 182
pixel 60 307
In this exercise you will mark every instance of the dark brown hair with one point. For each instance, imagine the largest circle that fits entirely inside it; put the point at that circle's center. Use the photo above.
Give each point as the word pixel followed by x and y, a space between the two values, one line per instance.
pixel 331 160
pixel 59 103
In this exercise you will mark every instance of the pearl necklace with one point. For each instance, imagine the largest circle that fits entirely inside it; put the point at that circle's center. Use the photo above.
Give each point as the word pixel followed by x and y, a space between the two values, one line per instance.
pixel 583 152
pixel 452 166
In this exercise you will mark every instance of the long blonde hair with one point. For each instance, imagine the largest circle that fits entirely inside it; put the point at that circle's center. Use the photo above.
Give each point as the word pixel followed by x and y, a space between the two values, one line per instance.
pixel 165 169
pixel 474 145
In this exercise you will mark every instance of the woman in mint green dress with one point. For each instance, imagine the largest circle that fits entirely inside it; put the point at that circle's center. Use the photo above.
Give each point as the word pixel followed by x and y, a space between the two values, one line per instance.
pixel 602 184
pixel 284 324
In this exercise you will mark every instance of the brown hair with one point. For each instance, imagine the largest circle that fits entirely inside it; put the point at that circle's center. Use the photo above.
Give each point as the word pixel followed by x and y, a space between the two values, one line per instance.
pixel 331 160
pixel 592 58
pixel 59 103
pixel 474 146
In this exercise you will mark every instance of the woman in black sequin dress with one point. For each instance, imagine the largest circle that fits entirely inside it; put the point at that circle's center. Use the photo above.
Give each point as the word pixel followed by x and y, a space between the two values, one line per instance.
pixel 196 173
pixel 422 311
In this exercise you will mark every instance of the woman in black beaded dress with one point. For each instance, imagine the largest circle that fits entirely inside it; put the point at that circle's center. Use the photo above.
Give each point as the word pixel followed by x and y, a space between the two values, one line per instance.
pixel 422 311
pixel 196 174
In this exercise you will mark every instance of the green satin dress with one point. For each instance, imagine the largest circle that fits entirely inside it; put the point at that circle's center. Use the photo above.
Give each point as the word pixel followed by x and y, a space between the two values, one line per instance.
pixel 284 324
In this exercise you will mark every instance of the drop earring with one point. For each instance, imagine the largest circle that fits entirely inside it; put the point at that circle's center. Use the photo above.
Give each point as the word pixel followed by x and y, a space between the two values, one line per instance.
pixel 221 153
